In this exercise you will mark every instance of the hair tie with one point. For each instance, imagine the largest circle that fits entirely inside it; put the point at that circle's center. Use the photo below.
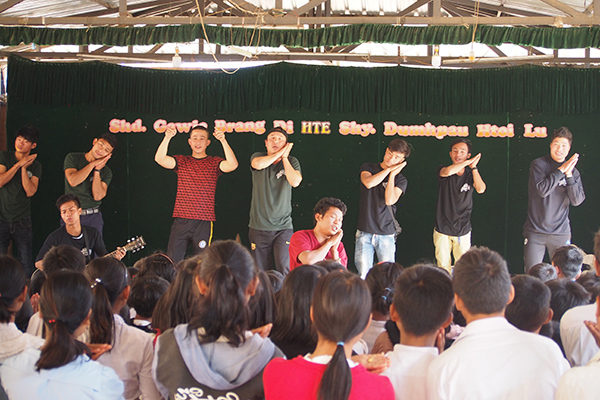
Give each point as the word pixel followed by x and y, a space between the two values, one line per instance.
pixel 340 343
pixel 96 282
pixel 51 321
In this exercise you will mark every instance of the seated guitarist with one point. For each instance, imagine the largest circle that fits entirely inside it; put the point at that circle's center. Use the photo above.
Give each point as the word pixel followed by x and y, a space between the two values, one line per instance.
pixel 85 238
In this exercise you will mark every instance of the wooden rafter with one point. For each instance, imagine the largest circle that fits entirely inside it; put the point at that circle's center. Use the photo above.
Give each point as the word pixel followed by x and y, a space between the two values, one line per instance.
pixel 8 4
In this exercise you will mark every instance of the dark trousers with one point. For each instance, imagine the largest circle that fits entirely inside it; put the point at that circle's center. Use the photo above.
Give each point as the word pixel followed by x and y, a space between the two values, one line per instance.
pixel 266 245
pixel 185 232
pixel 536 245
pixel 21 234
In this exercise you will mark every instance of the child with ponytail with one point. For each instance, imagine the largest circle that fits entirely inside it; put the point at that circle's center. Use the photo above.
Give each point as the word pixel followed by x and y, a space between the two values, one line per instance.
pixel 63 368
pixel 341 312
pixel 216 354
pixel 131 354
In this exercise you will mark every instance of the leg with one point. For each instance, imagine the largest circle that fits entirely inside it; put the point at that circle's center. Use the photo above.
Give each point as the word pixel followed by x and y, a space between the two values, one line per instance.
pixel 534 249
pixel 178 240
pixel 261 246
pixel 5 237
pixel 281 250
pixel 201 234
pixel 363 254
pixel 460 245
pixel 22 242
pixel 442 250
pixel 553 242
pixel 385 247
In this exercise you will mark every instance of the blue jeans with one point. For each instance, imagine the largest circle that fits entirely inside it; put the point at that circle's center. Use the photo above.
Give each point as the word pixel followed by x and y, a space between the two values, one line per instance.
pixel 367 244
pixel 21 234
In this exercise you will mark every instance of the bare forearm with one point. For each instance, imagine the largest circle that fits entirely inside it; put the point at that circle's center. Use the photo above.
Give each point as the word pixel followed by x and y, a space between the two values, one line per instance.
pixel 293 177
pixel 161 156
pixel 98 189
pixel 313 256
pixel 29 185
pixel 453 169
pixel 392 193
pixel 264 161
pixel 371 181
pixel 5 177
pixel 77 177
pixel 478 182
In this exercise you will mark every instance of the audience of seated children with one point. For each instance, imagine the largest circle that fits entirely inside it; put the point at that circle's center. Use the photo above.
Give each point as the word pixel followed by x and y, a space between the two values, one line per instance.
pixel 181 298
pixel 530 309
pixel 380 280
pixel 293 331
pixel 13 293
pixel 145 293
pixel 543 271
pixel 131 353
pixel 422 308
pixel 215 354
pixel 341 312
pixel 568 261
pixel 491 359
pixel 62 369
pixel 578 343
pixel 565 294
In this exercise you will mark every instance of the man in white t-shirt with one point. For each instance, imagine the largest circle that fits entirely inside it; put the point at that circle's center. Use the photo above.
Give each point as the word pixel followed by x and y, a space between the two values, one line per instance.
pixel 491 359
pixel 422 308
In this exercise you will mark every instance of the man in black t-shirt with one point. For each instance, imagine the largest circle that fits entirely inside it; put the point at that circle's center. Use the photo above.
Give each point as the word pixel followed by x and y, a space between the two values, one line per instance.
pixel 84 238
pixel 452 233
pixel 381 186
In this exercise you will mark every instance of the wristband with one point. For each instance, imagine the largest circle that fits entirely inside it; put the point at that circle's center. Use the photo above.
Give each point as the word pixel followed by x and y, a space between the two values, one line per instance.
pixel 474 169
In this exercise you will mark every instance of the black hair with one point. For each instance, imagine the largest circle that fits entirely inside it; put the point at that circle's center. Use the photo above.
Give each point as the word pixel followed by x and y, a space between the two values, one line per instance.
pixel 543 271
pixel 199 127
pixel 292 320
pixel 36 282
pixel 279 130
pixel 63 257
pixel 562 132
pixel 482 281
pixel 566 294
pixel 330 265
pixel 65 198
pixel 110 139
pixel 108 278
pixel 591 282
pixel 181 299
pixel 381 279
pixel 461 140
pixel 145 293
pixel 341 311
pixel 12 284
pixel 29 133
pixel 569 259
pixel 262 304
pixel 326 203
pixel 529 309
pixel 400 146
pixel 227 269
pixel 276 279
pixel 423 298
pixel 158 265
pixel 65 303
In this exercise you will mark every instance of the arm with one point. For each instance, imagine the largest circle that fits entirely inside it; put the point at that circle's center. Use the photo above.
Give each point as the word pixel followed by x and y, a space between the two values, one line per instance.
pixel 161 156
pixel 7 174
pixel 545 181
pixel 319 254
pixel 265 161
pixel 293 176
pixel 456 168
pixel 99 188
pixel 230 163
pixel 75 177
pixel 575 189
pixel 478 182
pixel 392 192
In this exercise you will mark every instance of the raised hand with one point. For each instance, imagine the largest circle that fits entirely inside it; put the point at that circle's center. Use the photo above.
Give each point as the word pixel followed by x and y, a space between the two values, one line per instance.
pixel 474 161
pixel 287 149
pixel 101 162
pixel 170 132
pixel 219 135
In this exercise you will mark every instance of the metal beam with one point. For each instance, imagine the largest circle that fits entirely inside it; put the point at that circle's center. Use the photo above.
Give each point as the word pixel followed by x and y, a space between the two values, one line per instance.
pixel 484 6
pixel 8 4
pixel 103 3
pixel 496 50
pixel 138 6
pixel 232 10
pixel 101 50
pixel 451 9
pixel 564 8
pixel 122 8
pixel 293 21
pixel 183 9
pixel 533 50
pixel 307 7
pixel 154 49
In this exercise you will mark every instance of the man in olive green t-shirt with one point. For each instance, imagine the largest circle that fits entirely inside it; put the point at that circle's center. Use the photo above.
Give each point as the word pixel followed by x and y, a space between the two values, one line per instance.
pixel 274 174
pixel 88 177
pixel 20 174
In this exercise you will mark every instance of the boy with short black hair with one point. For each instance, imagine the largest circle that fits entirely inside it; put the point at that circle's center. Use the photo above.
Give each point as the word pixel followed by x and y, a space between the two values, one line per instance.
pixel 145 293
pixel 421 308
pixel 568 261
pixel 543 271
pixel 20 174
pixel 530 309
